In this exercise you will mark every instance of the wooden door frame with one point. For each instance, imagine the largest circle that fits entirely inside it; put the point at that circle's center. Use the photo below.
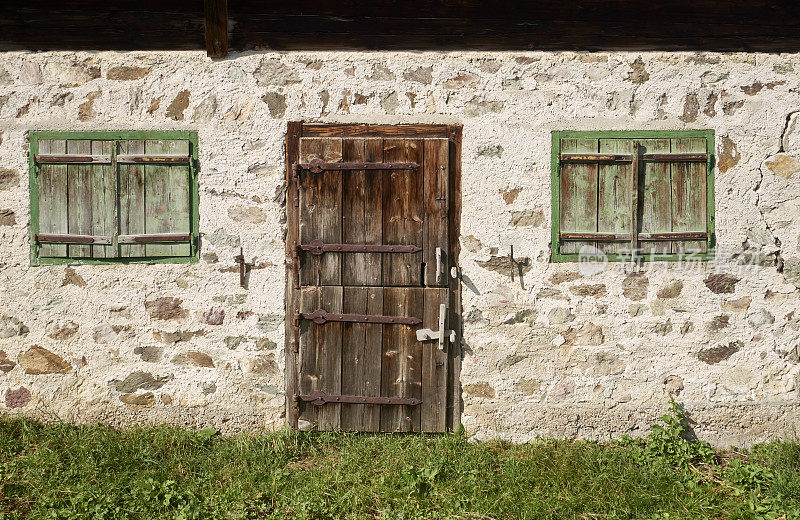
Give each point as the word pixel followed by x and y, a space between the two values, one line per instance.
pixel 294 131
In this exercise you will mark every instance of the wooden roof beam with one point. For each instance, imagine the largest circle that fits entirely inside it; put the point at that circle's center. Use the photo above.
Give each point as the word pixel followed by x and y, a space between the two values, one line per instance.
pixel 216 12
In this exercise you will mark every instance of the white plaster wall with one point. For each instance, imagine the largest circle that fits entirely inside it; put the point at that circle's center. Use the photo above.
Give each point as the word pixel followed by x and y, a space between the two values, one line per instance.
pixel 558 354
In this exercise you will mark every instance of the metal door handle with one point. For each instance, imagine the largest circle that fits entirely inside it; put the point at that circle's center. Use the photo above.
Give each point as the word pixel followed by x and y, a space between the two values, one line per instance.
pixel 441 334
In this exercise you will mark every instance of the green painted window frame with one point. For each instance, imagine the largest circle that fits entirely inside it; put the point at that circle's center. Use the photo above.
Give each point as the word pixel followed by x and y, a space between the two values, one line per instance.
pixel 555 183
pixel 35 136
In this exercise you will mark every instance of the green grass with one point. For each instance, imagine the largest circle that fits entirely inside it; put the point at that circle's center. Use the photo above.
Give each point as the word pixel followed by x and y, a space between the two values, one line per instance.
pixel 95 472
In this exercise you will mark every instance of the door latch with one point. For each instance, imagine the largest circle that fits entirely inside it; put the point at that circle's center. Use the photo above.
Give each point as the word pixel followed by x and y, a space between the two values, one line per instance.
pixel 441 268
pixel 440 335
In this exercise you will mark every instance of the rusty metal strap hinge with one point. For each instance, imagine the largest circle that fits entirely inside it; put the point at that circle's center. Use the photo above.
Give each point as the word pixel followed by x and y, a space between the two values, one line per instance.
pixel 320 317
pixel 319 166
pixel 320 398
pixel 317 247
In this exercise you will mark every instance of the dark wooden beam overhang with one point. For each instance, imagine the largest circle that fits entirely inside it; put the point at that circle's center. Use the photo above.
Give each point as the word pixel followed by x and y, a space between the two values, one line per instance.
pixel 551 25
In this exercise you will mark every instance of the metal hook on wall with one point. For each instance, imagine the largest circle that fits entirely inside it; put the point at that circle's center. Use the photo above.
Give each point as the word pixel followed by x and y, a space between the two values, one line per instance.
pixel 244 267
pixel 516 265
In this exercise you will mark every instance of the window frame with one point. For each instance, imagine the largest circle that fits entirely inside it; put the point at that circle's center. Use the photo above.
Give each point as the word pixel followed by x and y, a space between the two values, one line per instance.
pixel 35 136
pixel 555 184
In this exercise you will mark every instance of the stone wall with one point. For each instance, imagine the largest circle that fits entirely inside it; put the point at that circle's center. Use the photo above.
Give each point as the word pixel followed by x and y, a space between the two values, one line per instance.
pixel 555 353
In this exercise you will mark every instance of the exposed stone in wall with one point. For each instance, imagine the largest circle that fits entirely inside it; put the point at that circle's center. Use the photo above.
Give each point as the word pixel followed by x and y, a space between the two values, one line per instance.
pixel 150 353
pixel 721 283
pixel 638 74
pixel 86 111
pixel 62 331
pixel 691 107
pixel 7 217
pixel 276 103
pixel 139 380
pixel 671 290
pixel 595 289
pixel 73 278
pixel 212 316
pixel 673 384
pixel 719 353
pixel 634 286
pixel 783 165
pixel 728 155
pixel 247 214
pixel 738 305
pixel 8 178
pixel 127 72
pixel 195 358
pixel 178 105
pixel 719 322
pixel 589 334
pixel 6 365
pixel 165 308
pixel 529 217
pixel 178 336
pixel 18 398
pixel 481 389
pixel 11 326
pixel 38 360
pixel 422 75
pixel 138 400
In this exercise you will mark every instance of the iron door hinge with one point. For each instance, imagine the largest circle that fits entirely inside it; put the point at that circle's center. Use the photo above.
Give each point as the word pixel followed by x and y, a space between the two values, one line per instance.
pixel 321 317
pixel 319 398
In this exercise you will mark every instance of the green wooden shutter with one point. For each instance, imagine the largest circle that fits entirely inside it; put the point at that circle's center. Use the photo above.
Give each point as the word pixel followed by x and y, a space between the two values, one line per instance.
pixel 113 198
pixel 652 193
pixel 689 196
pixel 76 198
pixel 595 197
pixel 155 198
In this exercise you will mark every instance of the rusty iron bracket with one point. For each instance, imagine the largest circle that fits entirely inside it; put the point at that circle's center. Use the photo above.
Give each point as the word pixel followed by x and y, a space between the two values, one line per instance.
pixel 319 398
pixel 317 247
pixel 320 317
pixel 244 267
pixel 319 166
pixel 511 259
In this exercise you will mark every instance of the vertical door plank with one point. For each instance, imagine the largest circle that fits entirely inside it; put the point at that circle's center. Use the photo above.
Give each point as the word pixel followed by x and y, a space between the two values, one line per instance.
pixel 614 194
pixel 310 364
pixel 373 211
pixel 131 199
pixel 578 193
pixel 361 358
pixel 354 216
pixel 689 195
pixel 53 198
pixel 436 174
pixel 103 199
pixel 361 212
pixel 654 197
pixel 434 366
pixel 401 370
pixel 330 355
pixel 321 211
pixel 402 212
pixel 79 187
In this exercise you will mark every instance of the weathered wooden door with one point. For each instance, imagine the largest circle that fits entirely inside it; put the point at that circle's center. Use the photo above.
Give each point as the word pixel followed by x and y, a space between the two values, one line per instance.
pixel 370 306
